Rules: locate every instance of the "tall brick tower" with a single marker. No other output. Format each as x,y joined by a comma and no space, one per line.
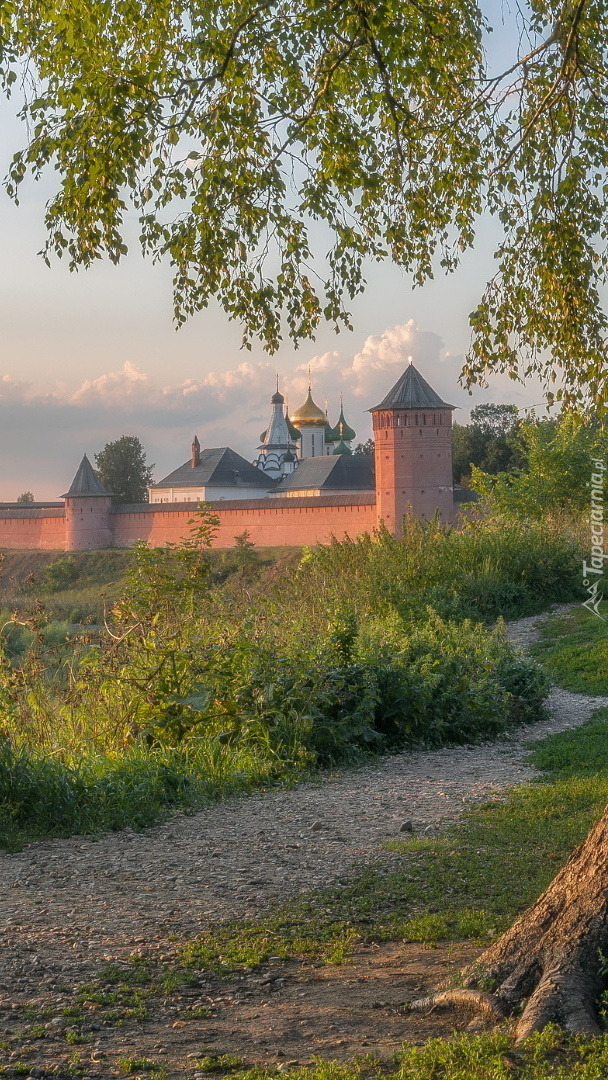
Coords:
87,511
412,432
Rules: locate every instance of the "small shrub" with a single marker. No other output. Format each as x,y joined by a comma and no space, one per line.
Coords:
60,574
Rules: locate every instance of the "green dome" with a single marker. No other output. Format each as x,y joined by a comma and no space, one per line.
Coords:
342,448
293,431
344,431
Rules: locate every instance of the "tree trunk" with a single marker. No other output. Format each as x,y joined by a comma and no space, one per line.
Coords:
551,958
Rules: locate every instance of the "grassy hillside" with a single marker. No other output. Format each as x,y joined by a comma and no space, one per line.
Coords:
218,671
93,580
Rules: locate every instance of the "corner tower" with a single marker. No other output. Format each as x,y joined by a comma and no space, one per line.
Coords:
87,511
413,451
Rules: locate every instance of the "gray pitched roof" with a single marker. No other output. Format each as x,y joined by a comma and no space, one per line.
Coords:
338,472
219,467
86,481
339,498
411,391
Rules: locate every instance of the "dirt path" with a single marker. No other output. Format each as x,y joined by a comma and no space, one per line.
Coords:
68,904
99,898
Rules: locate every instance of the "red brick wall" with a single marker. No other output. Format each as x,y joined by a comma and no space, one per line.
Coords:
88,524
413,453
269,523
32,530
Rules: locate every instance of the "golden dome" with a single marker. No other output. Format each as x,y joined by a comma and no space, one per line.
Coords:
309,414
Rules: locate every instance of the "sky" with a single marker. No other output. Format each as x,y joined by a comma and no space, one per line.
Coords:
88,357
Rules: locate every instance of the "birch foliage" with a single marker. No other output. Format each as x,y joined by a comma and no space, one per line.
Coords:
248,136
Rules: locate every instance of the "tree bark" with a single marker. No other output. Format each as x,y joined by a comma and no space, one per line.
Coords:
550,961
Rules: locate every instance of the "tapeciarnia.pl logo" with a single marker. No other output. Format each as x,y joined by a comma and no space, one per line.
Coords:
593,571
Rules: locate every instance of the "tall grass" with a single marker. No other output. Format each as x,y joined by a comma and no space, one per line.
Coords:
488,568
42,795
370,645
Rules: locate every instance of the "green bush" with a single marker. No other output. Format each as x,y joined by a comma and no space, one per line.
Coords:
446,682
60,574
487,569
183,696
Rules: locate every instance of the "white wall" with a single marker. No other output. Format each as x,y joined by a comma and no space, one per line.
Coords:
312,442
203,494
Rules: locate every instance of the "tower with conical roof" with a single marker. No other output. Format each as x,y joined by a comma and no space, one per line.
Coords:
87,511
277,452
413,452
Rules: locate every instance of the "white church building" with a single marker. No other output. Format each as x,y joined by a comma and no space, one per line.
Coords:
220,473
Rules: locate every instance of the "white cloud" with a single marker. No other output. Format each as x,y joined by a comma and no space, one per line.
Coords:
125,388
231,407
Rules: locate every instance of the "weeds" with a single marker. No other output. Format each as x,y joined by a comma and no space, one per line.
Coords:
574,650
182,698
219,1063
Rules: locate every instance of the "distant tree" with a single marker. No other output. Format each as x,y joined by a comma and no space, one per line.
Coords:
496,419
365,447
487,443
25,497
244,553
122,469
557,464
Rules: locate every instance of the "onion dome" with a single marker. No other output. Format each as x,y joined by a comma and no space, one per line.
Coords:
343,430
277,399
309,414
342,448
294,433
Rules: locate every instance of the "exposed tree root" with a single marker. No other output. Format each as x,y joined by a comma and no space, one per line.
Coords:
548,966
473,999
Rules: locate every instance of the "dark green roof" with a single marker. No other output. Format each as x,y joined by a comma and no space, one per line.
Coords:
411,391
219,467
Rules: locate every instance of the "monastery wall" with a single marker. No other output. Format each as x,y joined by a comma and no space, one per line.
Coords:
41,530
269,523
413,469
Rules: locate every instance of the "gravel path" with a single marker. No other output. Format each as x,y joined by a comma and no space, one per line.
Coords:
67,903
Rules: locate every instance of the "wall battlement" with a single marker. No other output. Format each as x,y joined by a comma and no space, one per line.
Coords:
269,523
